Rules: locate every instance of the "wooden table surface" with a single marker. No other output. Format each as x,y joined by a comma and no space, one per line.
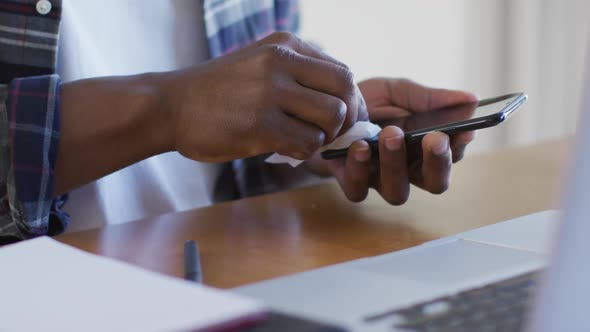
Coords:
274,235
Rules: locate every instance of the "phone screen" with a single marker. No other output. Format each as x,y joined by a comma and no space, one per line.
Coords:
451,117
450,120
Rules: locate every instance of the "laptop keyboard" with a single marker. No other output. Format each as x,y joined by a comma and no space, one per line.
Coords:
501,306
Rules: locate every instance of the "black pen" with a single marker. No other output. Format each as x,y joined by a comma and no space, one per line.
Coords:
192,263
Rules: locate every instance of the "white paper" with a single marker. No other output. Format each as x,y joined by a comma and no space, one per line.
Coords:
49,286
360,130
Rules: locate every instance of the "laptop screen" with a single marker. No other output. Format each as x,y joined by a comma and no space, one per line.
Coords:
562,304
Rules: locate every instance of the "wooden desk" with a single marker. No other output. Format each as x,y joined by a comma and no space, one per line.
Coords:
269,236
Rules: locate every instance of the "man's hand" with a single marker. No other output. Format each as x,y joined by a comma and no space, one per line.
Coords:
390,174
277,95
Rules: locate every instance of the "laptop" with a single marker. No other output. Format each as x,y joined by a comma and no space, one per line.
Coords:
527,274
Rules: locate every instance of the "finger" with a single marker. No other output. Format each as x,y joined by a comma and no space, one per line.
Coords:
459,143
317,108
436,166
326,77
295,138
362,110
394,185
418,98
386,113
354,180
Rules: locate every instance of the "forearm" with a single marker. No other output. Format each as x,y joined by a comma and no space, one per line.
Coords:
108,124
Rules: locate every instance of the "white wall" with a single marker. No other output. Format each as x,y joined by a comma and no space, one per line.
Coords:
485,46
393,38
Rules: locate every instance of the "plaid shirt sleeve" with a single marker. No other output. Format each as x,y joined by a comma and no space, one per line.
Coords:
29,137
29,121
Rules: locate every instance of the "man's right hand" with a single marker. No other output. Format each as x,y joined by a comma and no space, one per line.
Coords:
276,95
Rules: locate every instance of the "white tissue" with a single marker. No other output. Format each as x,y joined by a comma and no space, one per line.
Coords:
360,130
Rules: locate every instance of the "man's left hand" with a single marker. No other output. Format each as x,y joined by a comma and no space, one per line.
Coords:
390,174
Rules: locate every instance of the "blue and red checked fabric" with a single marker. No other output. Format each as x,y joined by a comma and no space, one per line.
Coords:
28,154
29,104
231,25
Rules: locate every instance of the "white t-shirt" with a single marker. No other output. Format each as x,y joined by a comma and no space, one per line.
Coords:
115,37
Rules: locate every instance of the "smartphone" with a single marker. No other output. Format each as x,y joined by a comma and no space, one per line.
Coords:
450,120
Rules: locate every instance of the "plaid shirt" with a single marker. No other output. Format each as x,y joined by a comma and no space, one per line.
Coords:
29,104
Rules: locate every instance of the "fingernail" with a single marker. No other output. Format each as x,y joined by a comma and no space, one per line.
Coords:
442,147
362,154
393,143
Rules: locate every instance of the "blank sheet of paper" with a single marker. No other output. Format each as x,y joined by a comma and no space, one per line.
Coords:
49,286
